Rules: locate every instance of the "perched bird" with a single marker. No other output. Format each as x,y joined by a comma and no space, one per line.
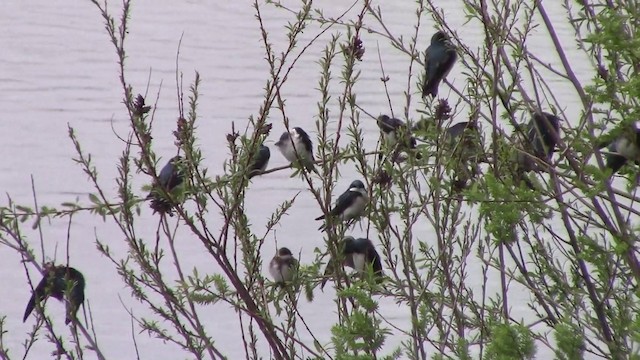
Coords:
438,61
62,283
283,266
296,144
260,161
168,179
350,204
464,142
356,254
623,148
541,140
395,130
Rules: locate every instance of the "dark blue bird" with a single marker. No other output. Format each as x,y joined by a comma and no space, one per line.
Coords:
395,131
296,144
260,161
541,139
357,254
439,59
350,204
169,178
62,283
625,147
283,266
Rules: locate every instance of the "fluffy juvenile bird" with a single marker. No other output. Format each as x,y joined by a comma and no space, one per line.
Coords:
260,161
350,204
395,130
283,266
297,143
625,147
62,283
357,254
169,178
438,61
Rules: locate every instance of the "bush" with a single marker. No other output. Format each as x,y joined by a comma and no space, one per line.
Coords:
488,259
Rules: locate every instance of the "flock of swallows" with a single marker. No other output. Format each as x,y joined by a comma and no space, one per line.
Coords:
541,137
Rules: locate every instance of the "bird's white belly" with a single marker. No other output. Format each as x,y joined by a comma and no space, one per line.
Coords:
282,274
627,149
359,262
390,139
290,153
356,209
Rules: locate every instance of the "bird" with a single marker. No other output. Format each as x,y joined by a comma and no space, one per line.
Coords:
283,266
260,161
464,142
356,254
63,283
395,130
297,144
625,147
169,178
541,140
350,204
438,61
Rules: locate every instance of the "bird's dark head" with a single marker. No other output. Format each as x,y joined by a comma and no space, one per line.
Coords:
356,184
348,245
439,38
298,133
283,139
383,119
283,251
544,119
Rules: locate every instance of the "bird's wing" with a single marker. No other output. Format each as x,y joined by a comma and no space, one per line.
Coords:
344,201
376,263
170,176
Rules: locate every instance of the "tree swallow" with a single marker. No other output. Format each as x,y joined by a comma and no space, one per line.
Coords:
394,131
59,282
438,61
356,254
260,161
168,179
350,204
283,266
464,141
541,140
625,147
296,144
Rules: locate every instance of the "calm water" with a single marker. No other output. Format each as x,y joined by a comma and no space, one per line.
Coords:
57,67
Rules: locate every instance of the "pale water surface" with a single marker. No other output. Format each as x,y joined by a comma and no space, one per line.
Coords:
58,68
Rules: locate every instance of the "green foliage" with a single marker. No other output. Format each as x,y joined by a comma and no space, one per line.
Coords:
510,342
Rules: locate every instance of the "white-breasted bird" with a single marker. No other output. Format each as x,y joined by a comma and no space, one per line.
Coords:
169,178
350,204
296,145
622,147
395,130
283,266
357,254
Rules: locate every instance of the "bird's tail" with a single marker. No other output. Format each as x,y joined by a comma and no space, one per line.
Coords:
429,89
30,306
